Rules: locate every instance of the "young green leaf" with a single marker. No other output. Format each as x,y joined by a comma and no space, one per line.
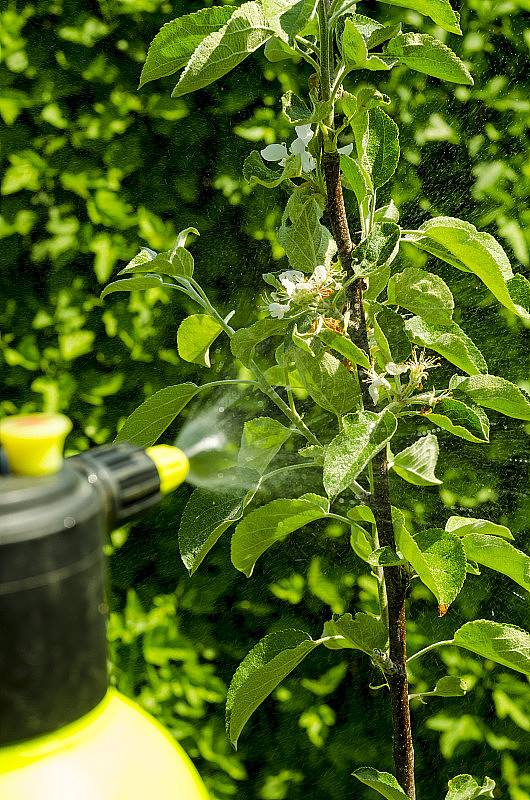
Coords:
423,293
131,284
356,179
498,394
363,632
439,11
209,513
464,525
221,51
377,142
497,641
298,113
175,43
306,242
343,345
328,381
260,672
382,782
245,340
449,341
194,336
256,171
355,52
448,686
384,557
373,32
459,419
391,336
379,248
462,245
465,787
288,17
177,263
364,435
262,438
149,421
272,523
276,50
416,463
497,554
437,557
426,54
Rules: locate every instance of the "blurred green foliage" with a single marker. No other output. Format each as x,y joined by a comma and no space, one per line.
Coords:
91,170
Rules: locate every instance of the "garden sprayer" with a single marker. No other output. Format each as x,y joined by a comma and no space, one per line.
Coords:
63,733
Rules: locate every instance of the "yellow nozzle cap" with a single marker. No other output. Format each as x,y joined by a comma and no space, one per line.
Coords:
34,442
172,465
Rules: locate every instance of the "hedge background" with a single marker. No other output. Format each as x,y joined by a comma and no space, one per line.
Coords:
91,171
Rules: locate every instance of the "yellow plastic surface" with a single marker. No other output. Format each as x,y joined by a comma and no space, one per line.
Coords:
34,442
117,752
172,465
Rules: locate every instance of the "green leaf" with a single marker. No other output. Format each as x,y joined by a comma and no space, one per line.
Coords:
416,463
276,50
377,142
364,435
298,113
449,341
183,235
462,245
306,242
379,248
461,420
363,632
271,523
464,787
423,293
194,337
448,686
465,525
175,43
256,171
260,672
498,394
373,32
355,52
328,381
426,54
245,340
208,514
288,17
262,438
384,557
178,263
390,335
382,782
356,179
437,557
221,51
496,641
439,11
131,284
495,553
343,345
149,421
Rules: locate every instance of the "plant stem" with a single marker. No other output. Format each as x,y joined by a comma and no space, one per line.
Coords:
325,54
426,649
396,581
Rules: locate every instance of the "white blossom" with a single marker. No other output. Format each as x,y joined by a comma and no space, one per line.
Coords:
277,310
396,369
320,274
376,382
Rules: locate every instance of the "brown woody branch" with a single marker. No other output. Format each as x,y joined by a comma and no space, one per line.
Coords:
395,578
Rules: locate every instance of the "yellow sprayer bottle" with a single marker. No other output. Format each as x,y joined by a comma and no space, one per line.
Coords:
63,734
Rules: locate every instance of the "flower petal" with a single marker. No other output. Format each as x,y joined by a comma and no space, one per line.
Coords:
298,146
274,152
308,162
320,274
304,132
346,150
277,311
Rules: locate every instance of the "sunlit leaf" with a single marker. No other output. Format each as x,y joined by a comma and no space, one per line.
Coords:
449,341
328,381
382,782
498,394
426,54
497,554
262,438
459,419
423,293
195,334
464,525
465,787
245,340
439,11
256,171
416,463
149,421
505,644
